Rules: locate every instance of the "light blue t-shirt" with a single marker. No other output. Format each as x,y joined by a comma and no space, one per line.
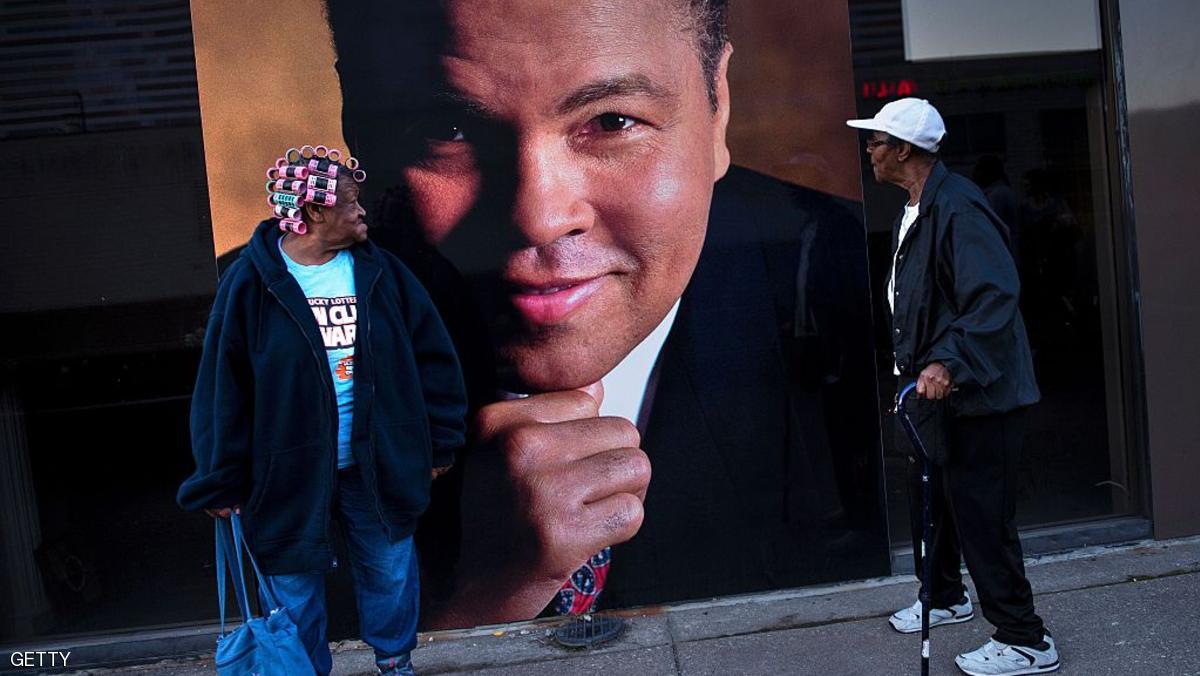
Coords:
330,291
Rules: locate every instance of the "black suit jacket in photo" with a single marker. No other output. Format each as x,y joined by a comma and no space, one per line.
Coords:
763,431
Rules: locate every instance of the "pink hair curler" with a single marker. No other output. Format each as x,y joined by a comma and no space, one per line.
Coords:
323,166
321,151
322,183
294,171
352,163
335,154
294,224
320,198
307,151
282,211
359,175
292,155
284,185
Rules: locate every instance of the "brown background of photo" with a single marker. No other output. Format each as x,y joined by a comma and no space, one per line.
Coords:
261,92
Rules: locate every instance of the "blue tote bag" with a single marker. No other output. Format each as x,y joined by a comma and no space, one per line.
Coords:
262,646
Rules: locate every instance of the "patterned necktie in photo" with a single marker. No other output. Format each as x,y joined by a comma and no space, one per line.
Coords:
581,591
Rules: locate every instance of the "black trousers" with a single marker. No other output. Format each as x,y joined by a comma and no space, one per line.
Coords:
974,511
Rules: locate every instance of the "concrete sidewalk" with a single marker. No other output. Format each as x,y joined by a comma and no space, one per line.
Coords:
1125,610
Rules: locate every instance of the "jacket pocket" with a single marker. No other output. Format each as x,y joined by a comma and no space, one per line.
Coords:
288,501
402,457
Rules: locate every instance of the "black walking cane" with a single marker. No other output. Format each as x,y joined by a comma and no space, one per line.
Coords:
926,521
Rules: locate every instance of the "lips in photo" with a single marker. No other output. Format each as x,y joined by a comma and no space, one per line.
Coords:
550,301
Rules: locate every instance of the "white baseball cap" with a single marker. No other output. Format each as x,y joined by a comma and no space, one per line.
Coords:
912,120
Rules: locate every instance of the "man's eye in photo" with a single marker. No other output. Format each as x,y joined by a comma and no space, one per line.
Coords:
445,132
437,127
615,122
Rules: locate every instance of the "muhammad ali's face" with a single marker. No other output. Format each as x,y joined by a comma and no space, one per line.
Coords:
571,159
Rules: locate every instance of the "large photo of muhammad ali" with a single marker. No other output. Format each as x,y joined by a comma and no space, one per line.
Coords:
640,222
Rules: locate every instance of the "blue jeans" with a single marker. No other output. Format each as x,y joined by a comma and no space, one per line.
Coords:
385,586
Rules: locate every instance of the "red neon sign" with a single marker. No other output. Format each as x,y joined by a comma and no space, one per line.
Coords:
887,89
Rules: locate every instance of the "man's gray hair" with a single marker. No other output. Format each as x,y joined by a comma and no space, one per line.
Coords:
710,21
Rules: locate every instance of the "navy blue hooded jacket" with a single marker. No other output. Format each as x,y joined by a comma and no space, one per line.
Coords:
264,413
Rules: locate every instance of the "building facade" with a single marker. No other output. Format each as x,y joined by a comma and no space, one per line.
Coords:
1081,135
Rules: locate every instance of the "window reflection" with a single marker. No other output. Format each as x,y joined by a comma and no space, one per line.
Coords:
1030,130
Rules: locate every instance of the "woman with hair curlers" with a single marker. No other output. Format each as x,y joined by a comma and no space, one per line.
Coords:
329,391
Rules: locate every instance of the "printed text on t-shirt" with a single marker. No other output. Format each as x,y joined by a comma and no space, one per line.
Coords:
337,319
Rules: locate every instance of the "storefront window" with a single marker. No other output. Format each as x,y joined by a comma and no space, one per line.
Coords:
761,421
741,268
108,276
1030,130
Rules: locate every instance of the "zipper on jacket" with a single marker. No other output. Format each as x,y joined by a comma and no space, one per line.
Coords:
387,528
327,381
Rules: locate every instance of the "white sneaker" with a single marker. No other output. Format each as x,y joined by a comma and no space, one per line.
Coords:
908,620
995,658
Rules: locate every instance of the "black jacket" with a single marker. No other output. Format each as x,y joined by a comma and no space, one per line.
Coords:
264,414
763,430
956,299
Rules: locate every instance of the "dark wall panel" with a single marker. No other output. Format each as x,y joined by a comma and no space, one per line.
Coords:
1163,95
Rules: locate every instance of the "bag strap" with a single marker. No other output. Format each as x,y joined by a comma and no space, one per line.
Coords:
226,557
220,572
264,585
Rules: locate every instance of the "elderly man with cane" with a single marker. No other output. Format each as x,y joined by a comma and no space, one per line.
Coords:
959,339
